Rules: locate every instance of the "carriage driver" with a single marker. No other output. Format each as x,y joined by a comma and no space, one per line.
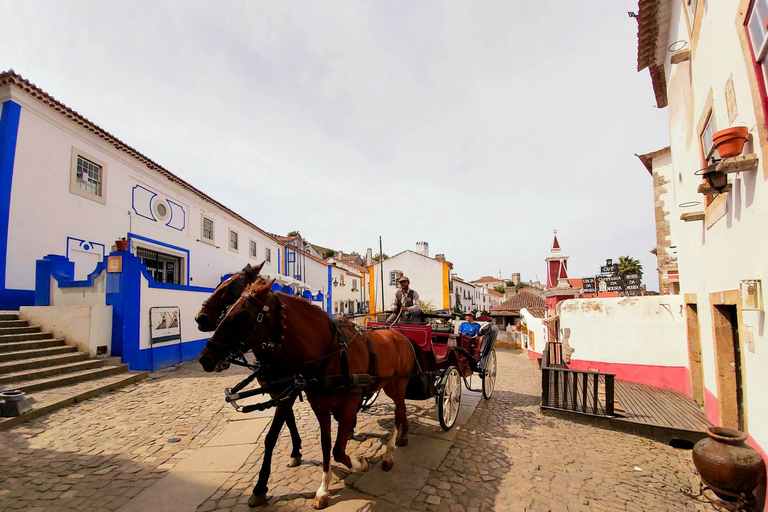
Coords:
407,301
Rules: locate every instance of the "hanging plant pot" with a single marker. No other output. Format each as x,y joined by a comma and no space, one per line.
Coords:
122,244
730,142
727,465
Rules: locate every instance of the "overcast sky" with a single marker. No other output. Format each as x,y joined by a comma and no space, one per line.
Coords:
479,127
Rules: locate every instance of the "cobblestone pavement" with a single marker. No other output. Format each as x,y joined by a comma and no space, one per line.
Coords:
507,456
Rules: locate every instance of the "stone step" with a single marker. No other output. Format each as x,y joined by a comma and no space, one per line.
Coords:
58,381
9,315
29,329
30,345
13,323
39,373
57,398
10,338
41,362
37,353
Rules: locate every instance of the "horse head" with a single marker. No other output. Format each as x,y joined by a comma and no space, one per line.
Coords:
247,325
225,295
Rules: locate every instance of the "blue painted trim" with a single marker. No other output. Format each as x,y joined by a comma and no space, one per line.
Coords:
103,247
9,132
278,260
133,202
163,244
329,297
184,217
276,287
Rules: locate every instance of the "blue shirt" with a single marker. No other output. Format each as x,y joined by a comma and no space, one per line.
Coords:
469,329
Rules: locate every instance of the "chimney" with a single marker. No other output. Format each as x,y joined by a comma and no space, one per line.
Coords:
369,257
516,278
422,248
440,257
338,255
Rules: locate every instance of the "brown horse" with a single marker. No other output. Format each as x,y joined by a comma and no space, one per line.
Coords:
207,319
293,335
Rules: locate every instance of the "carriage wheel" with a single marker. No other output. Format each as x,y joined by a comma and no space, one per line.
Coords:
449,398
368,402
489,377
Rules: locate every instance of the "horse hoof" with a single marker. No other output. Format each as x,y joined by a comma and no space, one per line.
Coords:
257,500
320,502
402,442
363,463
295,461
386,466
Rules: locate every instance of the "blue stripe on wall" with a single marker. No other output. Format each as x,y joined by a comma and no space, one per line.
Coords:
9,131
329,299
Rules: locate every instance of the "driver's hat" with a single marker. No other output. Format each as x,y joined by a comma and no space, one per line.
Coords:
403,278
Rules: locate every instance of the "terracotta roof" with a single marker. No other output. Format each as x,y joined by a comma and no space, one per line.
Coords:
355,266
653,19
537,312
521,300
495,293
487,279
647,158
13,79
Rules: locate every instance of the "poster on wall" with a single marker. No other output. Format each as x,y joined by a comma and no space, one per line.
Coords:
165,324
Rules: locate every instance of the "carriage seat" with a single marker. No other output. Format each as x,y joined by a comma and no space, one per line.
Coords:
442,327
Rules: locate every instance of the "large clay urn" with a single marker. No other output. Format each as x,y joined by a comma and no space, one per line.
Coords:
730,142
727,464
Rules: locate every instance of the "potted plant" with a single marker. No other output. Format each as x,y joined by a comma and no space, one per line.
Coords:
121,244
730,142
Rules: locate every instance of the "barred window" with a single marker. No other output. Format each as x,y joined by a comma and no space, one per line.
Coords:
252,249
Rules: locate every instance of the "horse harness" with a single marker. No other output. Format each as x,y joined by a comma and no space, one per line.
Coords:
288,386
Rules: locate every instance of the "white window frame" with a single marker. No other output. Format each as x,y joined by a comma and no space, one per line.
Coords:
756,27
203,218
706,136
253,248
75,188
354,285
236,247
268,255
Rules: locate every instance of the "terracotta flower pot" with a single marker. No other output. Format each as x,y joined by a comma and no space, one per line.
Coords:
730,142
727,464
122,245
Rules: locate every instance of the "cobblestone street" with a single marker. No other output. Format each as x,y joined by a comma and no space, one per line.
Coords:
106,453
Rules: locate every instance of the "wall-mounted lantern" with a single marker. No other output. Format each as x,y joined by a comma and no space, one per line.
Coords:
751,295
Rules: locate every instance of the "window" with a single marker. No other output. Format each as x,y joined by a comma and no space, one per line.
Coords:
207,230
252,249
354,285
394,276
758,37
706,136
88,177
336,307
233,241
341,279
164,268
267,254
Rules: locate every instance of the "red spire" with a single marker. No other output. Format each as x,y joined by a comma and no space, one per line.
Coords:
555,245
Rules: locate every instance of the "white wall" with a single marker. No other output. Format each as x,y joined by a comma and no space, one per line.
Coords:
537,328
86,327
95,295
42,177
425,275
647,330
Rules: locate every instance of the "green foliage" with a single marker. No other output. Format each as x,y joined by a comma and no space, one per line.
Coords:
486,313
378,257
329,253
521,285
499,288
294,233
426,306
628,265
510,283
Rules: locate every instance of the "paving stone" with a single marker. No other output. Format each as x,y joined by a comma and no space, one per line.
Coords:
240,432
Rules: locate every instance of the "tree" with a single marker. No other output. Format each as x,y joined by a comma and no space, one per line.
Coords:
378,257
499,288
629,265
510,284
521,285
426,306
329,253
294,233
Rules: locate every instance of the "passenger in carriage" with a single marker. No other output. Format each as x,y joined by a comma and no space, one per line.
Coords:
470,328
407,301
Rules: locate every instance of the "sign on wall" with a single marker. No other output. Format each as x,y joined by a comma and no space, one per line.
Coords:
588,285
165,324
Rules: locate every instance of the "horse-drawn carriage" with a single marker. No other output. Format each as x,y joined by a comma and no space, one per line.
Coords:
444,360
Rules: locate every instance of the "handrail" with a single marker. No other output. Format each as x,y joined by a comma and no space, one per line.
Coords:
577,391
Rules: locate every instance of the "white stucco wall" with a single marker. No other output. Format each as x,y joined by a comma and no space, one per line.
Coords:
535,326
425,275
86,327
42,178
80,296
646,330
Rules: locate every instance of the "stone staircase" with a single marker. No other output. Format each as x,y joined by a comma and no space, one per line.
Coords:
53,373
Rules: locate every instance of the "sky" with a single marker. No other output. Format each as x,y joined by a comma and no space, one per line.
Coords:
478,127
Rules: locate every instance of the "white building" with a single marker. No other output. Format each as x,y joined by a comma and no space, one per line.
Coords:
465,294
69,190
707,62
430,277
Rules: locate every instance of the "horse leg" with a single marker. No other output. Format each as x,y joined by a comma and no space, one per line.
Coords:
401,418
347,417
259,496
388,462
322,494
290,421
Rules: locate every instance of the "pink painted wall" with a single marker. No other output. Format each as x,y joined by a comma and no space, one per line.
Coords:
669,377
